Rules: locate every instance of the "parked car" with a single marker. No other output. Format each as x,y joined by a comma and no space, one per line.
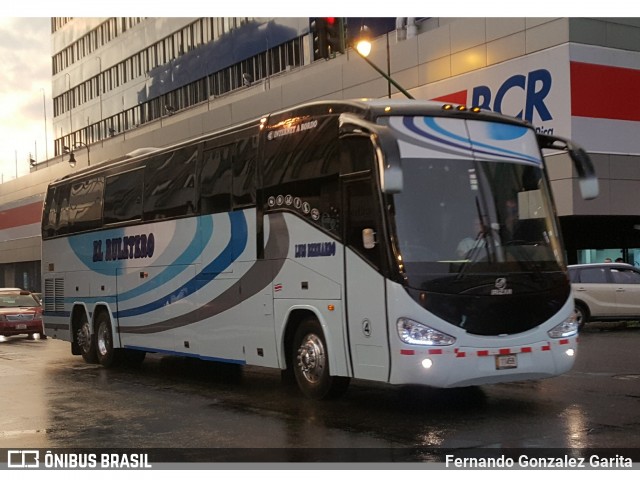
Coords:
20,313
605,291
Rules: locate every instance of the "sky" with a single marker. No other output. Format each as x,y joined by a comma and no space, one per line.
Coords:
25,90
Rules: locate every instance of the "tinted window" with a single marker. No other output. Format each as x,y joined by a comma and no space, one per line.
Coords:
593,275
215,180
50,214
169,184
123,197
363,213
244,168
625,275
85,202
305,149
356,154
62,201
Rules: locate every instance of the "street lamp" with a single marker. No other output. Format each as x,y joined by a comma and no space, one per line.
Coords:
363,48
72,157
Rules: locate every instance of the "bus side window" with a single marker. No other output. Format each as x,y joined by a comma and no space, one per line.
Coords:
356,154
169,184
62,224
363,221
123,197
363,228
50,214
215,180
86,204
244,171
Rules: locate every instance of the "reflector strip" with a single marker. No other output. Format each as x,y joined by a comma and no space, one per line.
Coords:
460,353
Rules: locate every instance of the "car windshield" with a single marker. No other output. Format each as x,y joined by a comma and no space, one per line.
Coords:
13,300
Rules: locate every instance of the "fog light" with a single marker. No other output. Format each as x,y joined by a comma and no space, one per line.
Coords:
427,363
570,352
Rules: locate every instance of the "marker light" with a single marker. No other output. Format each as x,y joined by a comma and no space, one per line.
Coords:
416,333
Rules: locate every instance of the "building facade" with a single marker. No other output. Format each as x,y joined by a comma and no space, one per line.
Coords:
120,84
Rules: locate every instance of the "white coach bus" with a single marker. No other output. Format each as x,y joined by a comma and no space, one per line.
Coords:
403,241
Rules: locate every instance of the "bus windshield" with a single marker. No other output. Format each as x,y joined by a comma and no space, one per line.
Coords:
460,217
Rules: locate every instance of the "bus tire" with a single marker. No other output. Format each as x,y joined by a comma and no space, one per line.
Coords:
310,363
107,355
86,342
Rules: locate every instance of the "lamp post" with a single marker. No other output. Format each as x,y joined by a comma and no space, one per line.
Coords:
363,48
69,100
100,93
44,110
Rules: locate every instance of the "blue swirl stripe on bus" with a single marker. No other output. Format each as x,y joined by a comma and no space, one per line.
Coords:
453,140
235,247
81,247
205,229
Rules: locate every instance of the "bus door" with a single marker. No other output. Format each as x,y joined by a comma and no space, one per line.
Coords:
365,285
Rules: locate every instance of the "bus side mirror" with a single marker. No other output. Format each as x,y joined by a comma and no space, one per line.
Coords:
589,187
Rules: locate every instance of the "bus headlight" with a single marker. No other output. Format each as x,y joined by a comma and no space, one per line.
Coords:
567,328
416,333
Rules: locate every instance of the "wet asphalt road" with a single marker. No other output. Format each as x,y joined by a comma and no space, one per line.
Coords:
52,399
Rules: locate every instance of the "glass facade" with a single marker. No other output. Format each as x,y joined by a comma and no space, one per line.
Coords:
207,58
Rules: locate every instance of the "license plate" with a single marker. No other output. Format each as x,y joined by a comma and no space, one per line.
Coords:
21,326
504,362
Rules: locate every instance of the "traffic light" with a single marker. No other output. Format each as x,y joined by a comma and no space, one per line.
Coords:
335,35
319,36
328,37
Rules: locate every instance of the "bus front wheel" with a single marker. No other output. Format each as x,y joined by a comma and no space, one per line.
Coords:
311,363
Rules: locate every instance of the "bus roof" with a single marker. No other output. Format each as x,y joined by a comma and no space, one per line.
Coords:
366,108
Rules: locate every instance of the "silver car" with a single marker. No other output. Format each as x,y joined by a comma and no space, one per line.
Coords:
605,291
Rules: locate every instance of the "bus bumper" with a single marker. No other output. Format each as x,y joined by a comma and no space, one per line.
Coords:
449,367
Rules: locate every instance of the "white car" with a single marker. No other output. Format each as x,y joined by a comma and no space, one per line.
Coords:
605,291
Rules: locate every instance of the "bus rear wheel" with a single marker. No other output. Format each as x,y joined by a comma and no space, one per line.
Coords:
108,356
86,343
310,362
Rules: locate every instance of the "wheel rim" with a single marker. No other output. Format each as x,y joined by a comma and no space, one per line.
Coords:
104,340
579,316
311,358
84,337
